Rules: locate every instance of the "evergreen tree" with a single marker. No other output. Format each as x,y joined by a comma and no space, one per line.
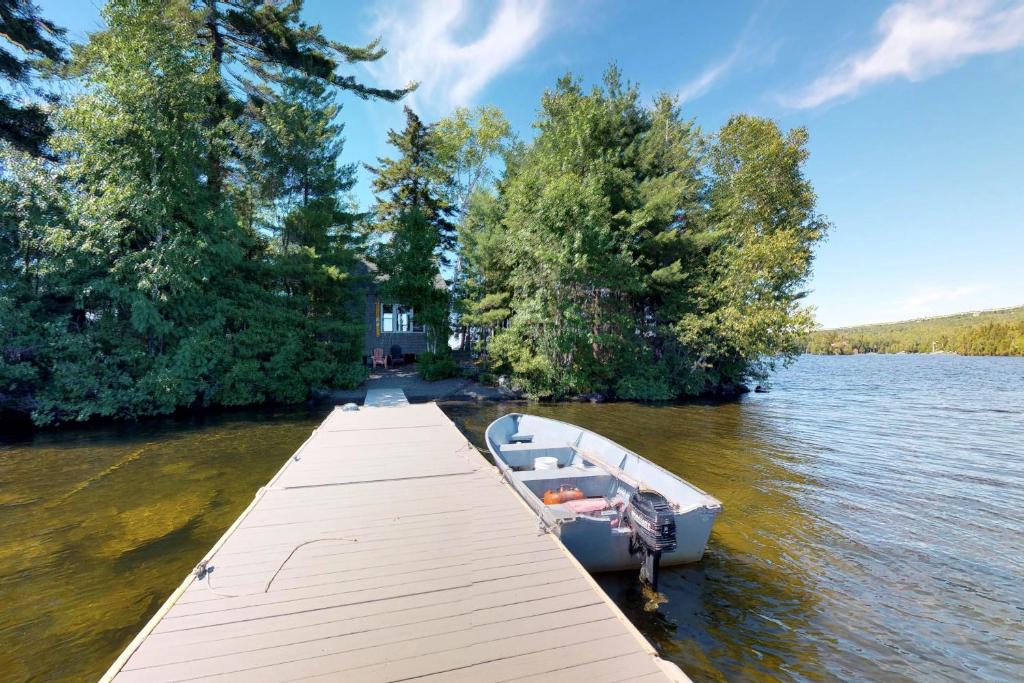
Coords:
573,216
38,273
130,283
25,126
414,212
986,333
159,242
252,44
313,252
761,220
638,259
481,299
415,181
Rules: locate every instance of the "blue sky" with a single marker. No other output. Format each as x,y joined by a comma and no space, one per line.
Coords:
915,111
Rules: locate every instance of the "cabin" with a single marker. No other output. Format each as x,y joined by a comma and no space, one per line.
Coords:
389,323
392,323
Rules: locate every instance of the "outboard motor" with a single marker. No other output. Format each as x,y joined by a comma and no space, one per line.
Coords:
651,518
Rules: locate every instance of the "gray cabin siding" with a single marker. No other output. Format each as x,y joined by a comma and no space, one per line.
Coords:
411,342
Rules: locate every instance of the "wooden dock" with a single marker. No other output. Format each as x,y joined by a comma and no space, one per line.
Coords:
388,549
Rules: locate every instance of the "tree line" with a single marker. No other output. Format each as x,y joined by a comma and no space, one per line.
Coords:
179,232
993,333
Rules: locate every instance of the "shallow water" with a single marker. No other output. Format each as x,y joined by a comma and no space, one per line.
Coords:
873,525
99,526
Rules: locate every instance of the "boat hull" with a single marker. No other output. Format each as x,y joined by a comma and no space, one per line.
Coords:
601,551
597,544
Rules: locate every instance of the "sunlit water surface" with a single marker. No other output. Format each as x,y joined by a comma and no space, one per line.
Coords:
873,525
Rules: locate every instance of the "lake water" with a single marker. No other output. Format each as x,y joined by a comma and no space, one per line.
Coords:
873,525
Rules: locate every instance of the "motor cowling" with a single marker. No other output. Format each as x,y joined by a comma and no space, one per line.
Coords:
653,525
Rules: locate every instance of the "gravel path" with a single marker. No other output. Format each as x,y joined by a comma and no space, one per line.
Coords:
407,378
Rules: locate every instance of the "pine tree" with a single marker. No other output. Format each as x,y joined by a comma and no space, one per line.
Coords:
131,282
414,212
296,149
253,43
415,181
633,256
25,126
160,247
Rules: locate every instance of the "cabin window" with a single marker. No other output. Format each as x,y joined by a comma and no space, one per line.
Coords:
403,319
398,318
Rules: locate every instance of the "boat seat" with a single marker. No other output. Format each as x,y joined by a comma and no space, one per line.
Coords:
519,455
570,472
520,437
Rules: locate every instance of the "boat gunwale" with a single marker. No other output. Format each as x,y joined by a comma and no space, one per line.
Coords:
710,502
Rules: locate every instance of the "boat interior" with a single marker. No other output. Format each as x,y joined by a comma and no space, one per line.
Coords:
548,459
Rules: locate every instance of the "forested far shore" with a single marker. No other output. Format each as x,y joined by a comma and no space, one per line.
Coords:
179,230
983,333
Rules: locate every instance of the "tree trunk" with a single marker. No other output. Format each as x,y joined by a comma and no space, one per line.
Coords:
216,170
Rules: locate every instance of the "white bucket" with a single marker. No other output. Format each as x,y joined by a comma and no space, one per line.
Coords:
545,463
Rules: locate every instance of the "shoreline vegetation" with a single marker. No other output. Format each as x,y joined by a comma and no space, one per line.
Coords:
998,332
178,232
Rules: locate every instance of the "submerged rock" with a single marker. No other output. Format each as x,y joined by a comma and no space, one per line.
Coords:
760,389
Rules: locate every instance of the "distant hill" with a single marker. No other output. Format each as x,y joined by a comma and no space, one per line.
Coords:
998,332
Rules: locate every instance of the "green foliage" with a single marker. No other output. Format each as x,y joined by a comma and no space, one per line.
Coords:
434,366
190,242
141,273
477,302
466,142
349,375
251,45
25,126
646,382
417,182
622,233
988,333
413,215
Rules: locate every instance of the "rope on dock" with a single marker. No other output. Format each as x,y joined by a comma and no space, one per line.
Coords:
204,570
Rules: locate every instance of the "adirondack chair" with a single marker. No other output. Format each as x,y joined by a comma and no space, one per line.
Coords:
397,357
379,358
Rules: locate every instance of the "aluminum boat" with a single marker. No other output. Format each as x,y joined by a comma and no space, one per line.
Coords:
612,508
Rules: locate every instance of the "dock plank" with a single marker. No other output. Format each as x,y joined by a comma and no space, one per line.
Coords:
388,549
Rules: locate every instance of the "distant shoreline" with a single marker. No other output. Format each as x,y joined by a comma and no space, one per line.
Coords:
996,332
974,314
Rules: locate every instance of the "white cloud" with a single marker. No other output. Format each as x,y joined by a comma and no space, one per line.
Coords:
918,39
702,83
927,300
424,46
